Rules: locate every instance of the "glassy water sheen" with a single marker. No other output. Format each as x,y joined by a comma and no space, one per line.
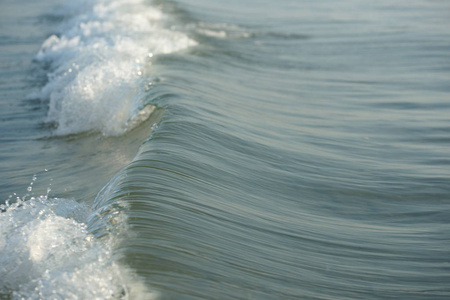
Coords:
198,149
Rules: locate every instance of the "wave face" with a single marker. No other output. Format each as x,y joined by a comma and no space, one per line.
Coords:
97,64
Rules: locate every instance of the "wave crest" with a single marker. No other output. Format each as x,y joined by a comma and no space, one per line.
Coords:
97,79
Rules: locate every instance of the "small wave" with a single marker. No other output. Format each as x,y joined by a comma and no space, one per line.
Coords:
48,253
97,63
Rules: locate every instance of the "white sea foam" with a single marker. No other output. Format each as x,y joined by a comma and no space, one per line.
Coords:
47,253
96,80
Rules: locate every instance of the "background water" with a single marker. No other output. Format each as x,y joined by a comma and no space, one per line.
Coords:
299,149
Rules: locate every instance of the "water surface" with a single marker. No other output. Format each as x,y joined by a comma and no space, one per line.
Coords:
257,150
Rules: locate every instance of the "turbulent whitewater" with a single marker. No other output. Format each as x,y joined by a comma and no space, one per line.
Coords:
47,252
97,63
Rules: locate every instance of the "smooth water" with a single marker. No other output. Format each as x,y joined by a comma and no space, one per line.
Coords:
195,150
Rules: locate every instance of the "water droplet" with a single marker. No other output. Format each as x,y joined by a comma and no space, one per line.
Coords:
154,126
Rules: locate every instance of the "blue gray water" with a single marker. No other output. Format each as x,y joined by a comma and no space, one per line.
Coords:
193,149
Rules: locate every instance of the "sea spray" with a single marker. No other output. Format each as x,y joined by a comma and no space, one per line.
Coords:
47,252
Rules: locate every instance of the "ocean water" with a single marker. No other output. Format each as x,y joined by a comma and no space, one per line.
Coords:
197,149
